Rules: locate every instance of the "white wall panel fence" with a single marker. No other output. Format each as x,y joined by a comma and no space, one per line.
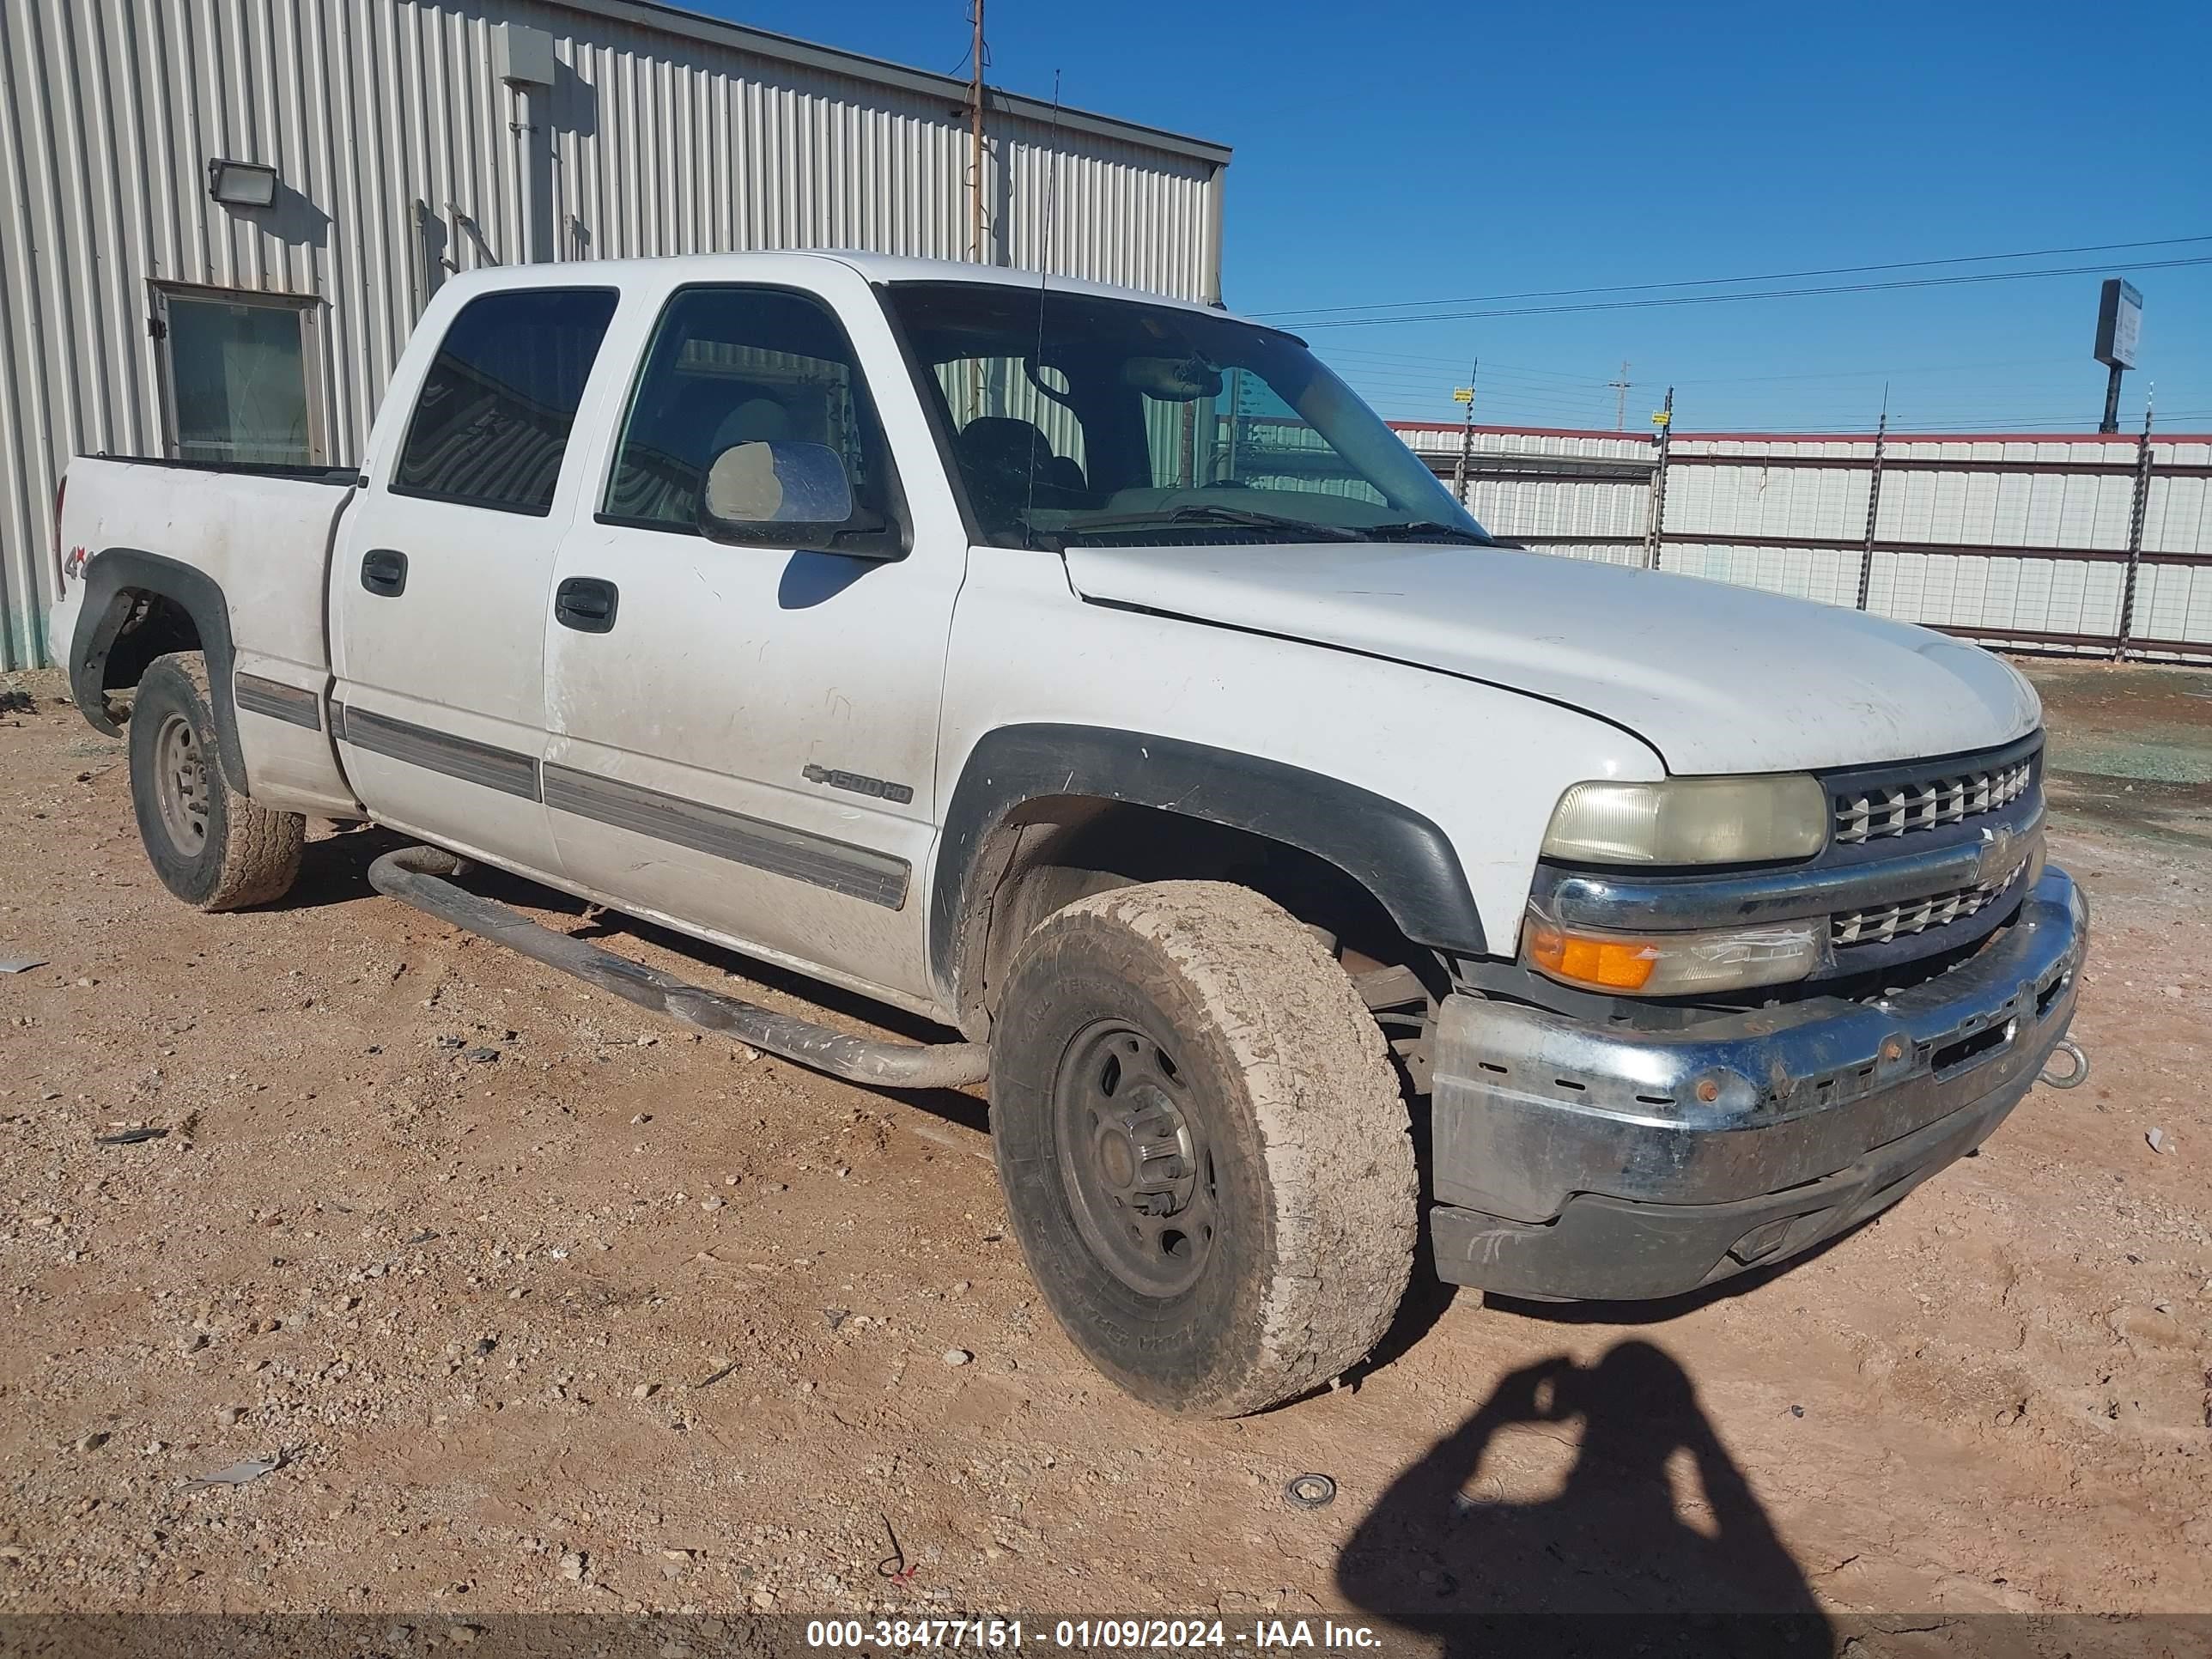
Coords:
2093,545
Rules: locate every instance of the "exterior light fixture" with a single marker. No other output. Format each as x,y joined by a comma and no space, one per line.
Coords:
241,183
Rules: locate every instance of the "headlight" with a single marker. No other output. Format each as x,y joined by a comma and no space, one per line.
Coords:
1691,821
1675,964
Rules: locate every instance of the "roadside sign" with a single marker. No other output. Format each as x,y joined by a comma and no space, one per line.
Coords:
1463,394
1661,417
2119,324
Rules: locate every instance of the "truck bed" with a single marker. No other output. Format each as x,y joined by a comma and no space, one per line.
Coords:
263,536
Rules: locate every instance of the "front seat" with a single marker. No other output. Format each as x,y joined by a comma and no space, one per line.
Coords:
758,420
1004,459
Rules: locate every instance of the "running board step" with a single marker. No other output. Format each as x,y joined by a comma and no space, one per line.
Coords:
417,875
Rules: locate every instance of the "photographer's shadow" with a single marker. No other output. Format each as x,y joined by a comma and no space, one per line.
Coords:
1610,1562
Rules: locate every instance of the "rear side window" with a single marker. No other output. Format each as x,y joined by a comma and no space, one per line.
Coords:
492,423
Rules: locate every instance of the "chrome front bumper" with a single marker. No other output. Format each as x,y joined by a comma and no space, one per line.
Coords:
1576,1160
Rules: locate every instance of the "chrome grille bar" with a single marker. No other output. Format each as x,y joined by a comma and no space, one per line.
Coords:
1886,923
1910,804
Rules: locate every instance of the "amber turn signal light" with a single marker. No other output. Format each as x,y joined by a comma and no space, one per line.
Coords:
1617,964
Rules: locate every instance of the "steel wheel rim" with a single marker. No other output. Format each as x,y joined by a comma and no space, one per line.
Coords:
1139,1175
180,785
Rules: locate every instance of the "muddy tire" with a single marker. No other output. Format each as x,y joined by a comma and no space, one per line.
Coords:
1203,1146
210,846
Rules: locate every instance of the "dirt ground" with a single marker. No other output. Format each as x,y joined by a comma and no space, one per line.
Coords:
545,1304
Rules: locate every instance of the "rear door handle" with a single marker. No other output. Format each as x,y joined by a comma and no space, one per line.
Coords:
383,572
585,604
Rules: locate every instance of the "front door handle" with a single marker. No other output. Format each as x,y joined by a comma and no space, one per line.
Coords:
585,604
383,572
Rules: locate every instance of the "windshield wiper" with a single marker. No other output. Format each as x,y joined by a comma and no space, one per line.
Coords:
1424,530
1208,513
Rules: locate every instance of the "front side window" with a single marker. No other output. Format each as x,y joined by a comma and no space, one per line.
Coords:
732,365
491,425
1073,418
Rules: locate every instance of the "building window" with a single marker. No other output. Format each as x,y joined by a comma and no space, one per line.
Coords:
241,376
491,425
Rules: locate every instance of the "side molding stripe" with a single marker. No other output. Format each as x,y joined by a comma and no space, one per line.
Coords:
502,769
856,872
278,701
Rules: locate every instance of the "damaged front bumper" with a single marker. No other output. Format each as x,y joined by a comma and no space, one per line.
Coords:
1579,1161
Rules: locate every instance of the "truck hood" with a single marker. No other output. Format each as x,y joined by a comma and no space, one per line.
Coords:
1715,677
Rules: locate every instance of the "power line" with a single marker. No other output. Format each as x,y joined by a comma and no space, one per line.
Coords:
1519,399
1441,384
1770,293
1437,367
1409,378
1714,282
1875,373
1408,392
1351,361
1429,360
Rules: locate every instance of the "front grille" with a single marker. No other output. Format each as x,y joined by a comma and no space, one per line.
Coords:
1888,922
1900,806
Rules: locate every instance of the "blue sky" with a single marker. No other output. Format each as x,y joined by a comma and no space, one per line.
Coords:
1389,154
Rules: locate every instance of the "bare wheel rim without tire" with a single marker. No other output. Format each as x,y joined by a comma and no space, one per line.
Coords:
180,784
1139,1175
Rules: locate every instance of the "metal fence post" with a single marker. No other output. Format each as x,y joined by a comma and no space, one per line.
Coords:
2135,542
1873,506
1652,531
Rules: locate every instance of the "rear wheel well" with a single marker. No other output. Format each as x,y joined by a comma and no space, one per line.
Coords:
155,626
1053,850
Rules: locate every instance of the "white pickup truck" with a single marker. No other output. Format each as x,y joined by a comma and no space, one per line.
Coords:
1313,877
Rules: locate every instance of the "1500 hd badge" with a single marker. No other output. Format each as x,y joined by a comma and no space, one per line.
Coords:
876,788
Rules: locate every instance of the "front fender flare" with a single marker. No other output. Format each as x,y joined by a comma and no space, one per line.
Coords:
1399,855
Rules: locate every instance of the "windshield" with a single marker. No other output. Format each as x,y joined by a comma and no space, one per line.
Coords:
1076,419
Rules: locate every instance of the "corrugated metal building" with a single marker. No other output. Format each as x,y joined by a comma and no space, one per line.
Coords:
2069,543
410,139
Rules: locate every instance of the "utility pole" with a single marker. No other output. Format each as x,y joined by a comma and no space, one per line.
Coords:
1465,394
1620,402
1874,503
975,136
2142,499
1664,420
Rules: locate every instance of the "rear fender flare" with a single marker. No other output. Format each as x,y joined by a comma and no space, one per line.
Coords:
116,579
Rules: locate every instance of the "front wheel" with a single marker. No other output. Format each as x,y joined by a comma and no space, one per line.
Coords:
210,845
1204,1150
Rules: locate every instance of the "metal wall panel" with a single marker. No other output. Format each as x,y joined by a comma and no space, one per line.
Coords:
1789,514
402,156
1594,485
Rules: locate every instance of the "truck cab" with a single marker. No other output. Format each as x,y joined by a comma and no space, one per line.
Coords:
1093,674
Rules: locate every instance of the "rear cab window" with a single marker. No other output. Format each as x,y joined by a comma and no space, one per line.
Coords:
491,423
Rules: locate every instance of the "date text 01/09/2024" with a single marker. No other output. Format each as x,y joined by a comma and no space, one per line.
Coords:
1162,1634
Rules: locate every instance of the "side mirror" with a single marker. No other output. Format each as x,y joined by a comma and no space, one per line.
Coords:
783,493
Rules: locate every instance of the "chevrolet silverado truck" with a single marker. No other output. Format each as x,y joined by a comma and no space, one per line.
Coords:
1313,879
